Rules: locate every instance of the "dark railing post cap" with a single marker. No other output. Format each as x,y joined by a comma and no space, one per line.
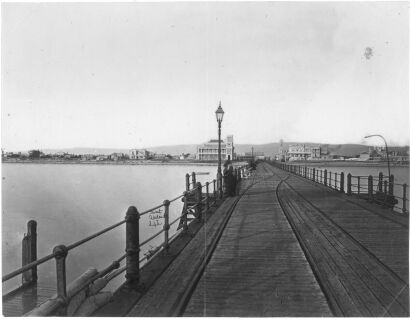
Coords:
167,202
60,251
132,214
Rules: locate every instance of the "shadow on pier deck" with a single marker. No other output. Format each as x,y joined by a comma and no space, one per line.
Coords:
291,247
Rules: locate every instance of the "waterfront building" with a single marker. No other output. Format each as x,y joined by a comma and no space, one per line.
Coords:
209,150
301,151
136,154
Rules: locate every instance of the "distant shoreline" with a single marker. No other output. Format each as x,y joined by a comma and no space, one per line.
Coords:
128,162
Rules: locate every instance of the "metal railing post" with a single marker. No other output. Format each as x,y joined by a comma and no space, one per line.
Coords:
370,188
404,209
187,181
199,201
132,242
207,196
61,252
193,179
358,185
380,184
214,182
314,174
166,224
336,180
342,182
325,178
330,179
349,184
391,184
385,188
29,253
185,212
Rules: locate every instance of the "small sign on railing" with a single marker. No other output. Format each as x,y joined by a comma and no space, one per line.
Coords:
155,218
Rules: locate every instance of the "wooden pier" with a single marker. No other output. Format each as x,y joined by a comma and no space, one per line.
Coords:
284,246
293,247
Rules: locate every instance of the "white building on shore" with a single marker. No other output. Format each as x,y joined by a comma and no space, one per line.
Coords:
209,150
301,151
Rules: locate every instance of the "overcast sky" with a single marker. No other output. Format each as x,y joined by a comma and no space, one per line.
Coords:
137,75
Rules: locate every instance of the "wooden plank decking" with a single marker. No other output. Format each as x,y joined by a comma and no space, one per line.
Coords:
258,268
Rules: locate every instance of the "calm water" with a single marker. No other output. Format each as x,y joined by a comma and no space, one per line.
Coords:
70,202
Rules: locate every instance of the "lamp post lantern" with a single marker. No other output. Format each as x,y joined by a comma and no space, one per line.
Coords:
219,116
387,150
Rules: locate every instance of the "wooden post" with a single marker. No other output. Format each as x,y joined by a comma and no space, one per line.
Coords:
325,178
349,184
61,252
187,181
132,242
342,182
404,209
193,179
29,253
166,224
380,184
391,184
198,200
314,174
207,196
370,188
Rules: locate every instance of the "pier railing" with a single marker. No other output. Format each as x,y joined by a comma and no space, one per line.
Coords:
197,199
381,189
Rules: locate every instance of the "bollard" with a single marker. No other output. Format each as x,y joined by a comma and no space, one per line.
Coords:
29,253
187,181
349,184
404,209
325,178
391,184
132,242
198,201
380,184
342,182
193,179
370,188
207,196
314,173
61,252
166,224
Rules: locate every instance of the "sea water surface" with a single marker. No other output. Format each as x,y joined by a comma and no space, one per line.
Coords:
72,201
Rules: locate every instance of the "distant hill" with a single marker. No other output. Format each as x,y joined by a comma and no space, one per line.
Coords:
269,149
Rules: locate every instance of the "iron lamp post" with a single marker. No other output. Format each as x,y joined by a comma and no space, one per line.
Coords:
219,116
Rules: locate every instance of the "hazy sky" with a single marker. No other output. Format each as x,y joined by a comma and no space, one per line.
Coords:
145,74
